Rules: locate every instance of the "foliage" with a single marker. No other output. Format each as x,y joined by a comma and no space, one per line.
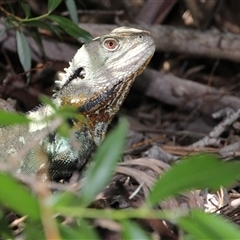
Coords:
41,207
202,170
29,26
107,155
195,172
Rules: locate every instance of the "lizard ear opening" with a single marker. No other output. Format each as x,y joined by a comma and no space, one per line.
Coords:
79,73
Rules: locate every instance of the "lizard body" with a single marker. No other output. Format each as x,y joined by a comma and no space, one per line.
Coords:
96,82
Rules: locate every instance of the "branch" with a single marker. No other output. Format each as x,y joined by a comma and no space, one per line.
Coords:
211,44
183,93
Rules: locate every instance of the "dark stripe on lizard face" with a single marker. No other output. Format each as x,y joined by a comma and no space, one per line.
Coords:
101,98
80,72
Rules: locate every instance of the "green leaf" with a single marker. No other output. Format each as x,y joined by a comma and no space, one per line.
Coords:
53,4
48,101
64,199
84,232
41,24
64,130
71,6
131,230
71,113
26,9
208,226
23,51
201,171
33,229
104,161
17,197
64,112
7,118
37,23
70,27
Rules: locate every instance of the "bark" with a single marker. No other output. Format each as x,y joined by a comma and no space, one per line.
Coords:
154,12
184,94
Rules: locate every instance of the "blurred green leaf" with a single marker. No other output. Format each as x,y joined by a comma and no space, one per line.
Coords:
64,112
70,113
131,230
64,199
48,101
26,9
208,226
23,51
82,232
64,129
53,4
70,27
140,213
201,171
104,161
7,118
71,6
17,197
33,229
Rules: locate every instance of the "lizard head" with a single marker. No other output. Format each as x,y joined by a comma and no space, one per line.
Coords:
102,72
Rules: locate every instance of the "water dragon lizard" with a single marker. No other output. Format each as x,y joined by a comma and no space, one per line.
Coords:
96,82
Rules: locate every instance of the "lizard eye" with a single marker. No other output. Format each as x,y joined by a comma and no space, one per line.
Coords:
110,44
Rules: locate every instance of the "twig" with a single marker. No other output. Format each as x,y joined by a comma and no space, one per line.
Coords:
217,131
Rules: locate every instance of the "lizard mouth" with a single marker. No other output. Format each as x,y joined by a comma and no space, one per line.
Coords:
140,70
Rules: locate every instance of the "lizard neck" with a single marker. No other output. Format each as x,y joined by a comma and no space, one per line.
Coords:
98,111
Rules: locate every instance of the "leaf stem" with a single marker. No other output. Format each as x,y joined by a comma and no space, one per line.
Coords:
10,15
141,213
